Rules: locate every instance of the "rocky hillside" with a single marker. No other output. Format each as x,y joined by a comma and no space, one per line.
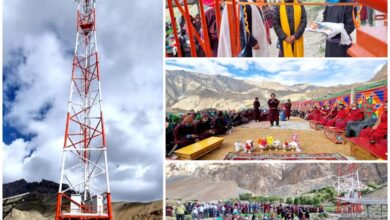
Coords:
177,187
282,180
187,90
122,211
381,75
138,211
42,197
22,186
41,202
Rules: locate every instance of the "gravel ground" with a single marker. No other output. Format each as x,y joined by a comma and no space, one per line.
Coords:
312,141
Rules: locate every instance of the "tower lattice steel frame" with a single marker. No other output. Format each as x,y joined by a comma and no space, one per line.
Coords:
84,160
348,186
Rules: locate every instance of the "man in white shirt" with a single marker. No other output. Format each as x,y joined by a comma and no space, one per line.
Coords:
195,213
201,210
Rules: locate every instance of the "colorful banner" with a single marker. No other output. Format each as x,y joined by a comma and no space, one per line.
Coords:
372,101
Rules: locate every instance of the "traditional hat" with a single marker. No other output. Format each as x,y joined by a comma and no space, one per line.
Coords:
175,118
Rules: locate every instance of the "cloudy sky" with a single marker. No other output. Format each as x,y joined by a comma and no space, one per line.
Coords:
314,71
38,41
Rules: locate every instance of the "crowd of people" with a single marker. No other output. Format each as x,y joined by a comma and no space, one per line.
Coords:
353,120
185,129
221,210
288,22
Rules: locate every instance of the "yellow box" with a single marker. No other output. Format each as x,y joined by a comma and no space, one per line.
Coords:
198,149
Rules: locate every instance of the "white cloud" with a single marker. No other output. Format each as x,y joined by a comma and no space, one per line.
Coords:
131,68
13,159
275,65
173,67
243,64
202,65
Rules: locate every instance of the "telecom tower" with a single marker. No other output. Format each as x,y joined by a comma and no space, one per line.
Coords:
348,189
84,161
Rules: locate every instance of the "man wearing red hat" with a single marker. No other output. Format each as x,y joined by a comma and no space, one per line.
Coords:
184,134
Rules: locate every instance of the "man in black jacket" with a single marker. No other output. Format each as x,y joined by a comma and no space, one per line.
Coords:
338,14
294,34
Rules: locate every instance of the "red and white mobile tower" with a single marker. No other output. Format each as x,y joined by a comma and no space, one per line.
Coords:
348,189
84,161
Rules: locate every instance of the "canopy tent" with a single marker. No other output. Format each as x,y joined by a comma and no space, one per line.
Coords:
380,212
370,97
364,201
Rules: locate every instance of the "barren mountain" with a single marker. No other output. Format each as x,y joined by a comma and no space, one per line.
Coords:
124,211
202,189
187,90
282,180
381,75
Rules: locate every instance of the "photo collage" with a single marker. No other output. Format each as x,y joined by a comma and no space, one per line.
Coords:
194,110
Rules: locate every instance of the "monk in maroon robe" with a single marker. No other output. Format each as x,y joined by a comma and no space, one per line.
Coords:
287,109
273,114
324,111
341,115
184,134
331,115
203,128
256,109
315,114
377,133
354,114
310,114
212,29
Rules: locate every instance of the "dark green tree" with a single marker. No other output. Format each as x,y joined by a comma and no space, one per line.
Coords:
289,201
245,197
297,201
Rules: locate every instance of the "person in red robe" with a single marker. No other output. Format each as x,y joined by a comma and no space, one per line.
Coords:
184,134
354,114
315,114
324,111
341,115
309,114
378,132
256,109
273,114
287,109
332,114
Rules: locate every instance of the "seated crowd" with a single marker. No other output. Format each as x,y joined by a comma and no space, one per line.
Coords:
185,129
297,113
352,120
